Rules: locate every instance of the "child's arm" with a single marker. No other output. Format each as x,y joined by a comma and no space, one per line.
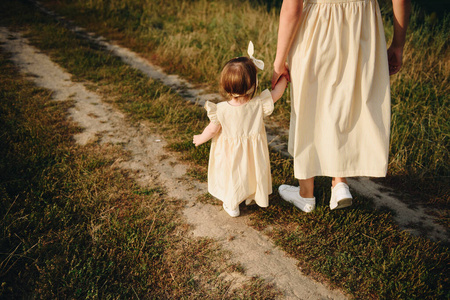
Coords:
279,88
210,131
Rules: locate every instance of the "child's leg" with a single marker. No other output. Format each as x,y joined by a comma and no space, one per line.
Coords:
232,212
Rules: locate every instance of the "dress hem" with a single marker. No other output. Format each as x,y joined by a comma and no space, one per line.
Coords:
243,200
342,174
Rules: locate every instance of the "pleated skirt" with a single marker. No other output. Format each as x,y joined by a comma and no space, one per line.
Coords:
340,91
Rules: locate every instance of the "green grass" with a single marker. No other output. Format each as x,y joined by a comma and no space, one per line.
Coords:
359,250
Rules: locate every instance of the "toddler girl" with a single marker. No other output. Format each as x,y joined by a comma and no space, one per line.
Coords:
239,166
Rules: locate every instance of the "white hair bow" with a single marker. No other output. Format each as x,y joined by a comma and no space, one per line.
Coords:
259,63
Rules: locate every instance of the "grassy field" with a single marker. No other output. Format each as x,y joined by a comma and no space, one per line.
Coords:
359,250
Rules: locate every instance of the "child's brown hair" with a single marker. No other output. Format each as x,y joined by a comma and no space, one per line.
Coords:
238,78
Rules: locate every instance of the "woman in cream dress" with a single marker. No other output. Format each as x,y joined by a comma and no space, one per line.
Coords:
340,94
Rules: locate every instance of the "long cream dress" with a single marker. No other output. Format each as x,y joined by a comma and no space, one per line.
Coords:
239,165
340,94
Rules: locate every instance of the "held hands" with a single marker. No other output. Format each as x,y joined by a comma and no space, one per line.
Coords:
394,59
279,72
279,88
284,81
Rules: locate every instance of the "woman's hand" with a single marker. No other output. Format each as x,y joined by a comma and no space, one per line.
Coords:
395,55
402,11
279,72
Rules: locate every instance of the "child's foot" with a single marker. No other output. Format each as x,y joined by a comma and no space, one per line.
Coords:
292,194
232,213
250,202
340,196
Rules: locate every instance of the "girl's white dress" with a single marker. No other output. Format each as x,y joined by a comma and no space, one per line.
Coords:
239,165
340,97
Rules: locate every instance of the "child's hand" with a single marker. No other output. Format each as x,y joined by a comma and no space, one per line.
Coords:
196,140
210,131
282,80
279,88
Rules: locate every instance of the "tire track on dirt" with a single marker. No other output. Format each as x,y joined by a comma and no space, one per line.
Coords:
152,165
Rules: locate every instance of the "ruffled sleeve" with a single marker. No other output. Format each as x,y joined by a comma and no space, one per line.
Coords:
267,102
211,110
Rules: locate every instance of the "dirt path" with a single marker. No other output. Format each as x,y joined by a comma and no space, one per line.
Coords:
104,124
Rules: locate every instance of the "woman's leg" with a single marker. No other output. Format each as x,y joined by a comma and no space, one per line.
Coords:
301,196
307,187
340,194
336,180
